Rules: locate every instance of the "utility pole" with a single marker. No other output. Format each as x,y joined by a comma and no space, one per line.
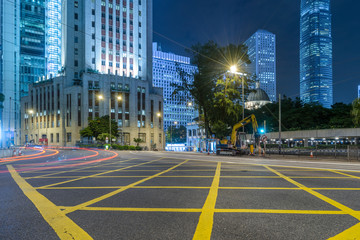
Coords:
279,123
243,101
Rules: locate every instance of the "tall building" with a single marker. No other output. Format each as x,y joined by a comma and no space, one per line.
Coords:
32,43
262,53
358,91
53,38
106,51
166,71
316,77
9,71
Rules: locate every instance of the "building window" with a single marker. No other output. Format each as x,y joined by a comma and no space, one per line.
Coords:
142,136
68,137
57,137
51,138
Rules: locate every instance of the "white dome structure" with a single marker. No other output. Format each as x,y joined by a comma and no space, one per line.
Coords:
257,98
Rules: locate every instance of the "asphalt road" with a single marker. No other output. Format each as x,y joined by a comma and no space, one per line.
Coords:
88,194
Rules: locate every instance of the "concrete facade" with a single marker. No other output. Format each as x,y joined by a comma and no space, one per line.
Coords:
58,112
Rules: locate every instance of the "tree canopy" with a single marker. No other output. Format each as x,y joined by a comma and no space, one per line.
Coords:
298,116
216,92
99,126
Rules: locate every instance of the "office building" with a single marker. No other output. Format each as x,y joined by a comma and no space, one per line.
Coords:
106,51
166,71
53,38
9,71
32,43
262,53
316,75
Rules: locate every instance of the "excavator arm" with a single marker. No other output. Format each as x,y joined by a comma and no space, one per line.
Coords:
242,123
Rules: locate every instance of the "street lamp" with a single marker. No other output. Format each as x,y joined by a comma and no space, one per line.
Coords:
233,70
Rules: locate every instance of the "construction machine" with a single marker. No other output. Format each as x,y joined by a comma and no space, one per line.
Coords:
237,142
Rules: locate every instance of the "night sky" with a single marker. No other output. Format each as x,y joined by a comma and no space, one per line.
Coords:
183,23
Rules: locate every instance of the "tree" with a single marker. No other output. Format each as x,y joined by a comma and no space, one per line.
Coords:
355,112
215,92
138,141
98,126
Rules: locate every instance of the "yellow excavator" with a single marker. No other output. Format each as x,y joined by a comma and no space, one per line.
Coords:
236,145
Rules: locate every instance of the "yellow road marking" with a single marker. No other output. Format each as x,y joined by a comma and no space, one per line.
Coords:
275,211
91,176
352,233
138,187
138,209
206,220
345,174
82,205
87,167
320,196
280,211
64,227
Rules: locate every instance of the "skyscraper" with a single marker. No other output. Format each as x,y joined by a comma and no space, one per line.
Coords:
262,53
32,43
53,37
316,80
166,67
106,71
358,91
9,71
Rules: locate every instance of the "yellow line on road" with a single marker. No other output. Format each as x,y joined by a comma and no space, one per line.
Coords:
139,187
64,227
352,233
206,220
258,188
280,211
82,205
138,209
94,175
76,169
320,196
275,211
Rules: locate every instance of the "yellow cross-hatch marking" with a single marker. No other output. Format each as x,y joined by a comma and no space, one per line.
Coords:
351,233
75,170
206,220
98,174
64,227
82,205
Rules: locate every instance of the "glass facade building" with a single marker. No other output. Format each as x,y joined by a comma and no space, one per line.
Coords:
262,53
166,68
316,83
53,37
32,43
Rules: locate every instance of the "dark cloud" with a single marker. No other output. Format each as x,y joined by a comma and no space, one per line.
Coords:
233,21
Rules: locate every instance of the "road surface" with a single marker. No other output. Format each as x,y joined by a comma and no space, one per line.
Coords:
95,194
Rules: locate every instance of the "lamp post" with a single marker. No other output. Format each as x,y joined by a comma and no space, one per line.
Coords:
101,97
233,70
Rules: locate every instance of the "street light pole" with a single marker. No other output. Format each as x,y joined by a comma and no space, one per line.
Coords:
110,119
233,70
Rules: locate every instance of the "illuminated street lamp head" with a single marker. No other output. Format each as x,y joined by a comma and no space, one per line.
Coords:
189,104
119,98
31,111
233,69
101,97
158,114
175,122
